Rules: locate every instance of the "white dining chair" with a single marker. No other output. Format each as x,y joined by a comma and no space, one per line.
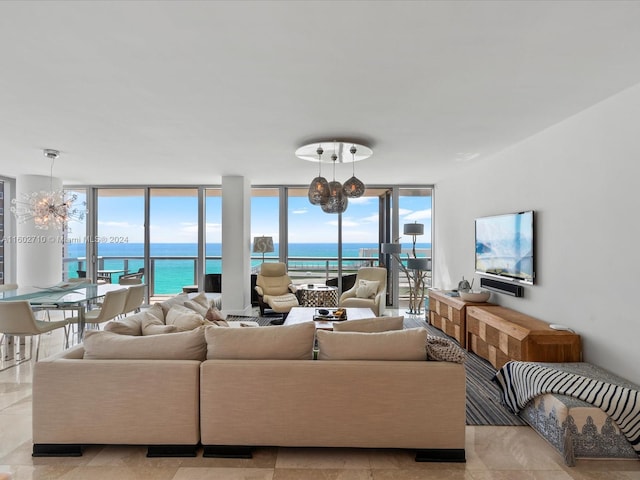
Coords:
17,320
135,297
112,306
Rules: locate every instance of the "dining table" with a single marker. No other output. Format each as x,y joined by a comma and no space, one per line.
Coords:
76,296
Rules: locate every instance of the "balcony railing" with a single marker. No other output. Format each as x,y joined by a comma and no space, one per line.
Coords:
168,274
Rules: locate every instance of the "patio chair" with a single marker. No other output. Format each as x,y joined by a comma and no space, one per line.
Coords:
18,320
276,293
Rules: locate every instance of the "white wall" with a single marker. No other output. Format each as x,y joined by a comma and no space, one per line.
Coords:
581,177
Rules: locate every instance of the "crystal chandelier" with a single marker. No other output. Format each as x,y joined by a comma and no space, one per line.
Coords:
48,209
333,197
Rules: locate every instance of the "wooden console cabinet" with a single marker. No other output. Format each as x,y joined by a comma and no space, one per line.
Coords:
500,334
449,314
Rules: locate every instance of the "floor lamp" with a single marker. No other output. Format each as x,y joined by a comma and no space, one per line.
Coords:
416,268
263,245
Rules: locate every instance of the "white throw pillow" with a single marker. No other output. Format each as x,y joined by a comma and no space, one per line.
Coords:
152,325
184,318
367,288
126,326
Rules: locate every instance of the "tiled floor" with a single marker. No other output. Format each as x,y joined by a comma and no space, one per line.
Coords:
498,453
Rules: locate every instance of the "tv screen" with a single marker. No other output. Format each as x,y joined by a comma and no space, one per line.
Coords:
504,246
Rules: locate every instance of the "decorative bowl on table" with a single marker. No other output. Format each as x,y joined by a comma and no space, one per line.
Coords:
478,296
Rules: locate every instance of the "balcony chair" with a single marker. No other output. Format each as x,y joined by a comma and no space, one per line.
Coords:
134,299
348,281
124,279
18,320
101,278
276,293
365,294
112,306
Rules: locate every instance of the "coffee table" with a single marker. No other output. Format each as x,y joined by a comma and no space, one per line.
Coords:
305,314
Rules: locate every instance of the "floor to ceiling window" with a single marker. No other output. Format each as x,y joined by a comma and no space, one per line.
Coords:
265,222
181,235
120,235
173,235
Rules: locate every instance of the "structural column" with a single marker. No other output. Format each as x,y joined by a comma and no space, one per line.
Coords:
38,252
236,245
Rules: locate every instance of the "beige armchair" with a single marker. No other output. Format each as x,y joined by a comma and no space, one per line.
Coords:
275,290
366,293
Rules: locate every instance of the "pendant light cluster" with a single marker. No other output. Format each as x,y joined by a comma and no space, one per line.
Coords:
333,197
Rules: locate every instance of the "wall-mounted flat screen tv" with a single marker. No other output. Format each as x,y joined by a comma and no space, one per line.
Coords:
504,246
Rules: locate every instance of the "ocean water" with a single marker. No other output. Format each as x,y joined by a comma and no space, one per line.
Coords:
174,263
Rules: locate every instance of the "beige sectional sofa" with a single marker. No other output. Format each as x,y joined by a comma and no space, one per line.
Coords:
250,387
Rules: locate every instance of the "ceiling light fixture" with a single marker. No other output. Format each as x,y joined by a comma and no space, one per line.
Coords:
52,209
333,197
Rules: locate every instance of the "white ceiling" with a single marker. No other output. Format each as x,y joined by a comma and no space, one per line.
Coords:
169,93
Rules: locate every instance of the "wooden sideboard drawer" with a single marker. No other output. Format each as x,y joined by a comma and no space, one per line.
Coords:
449,315
499,334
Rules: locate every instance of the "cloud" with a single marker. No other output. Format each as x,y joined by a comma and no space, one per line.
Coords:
117,224
300,211
403,211
419,215
349,223
371,218
362,200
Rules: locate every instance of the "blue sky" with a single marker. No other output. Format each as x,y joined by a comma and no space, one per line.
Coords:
174,219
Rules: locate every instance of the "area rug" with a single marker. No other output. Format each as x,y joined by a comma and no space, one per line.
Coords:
483,395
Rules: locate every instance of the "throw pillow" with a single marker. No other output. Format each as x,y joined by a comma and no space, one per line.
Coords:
151,325
291,342
196,307
126,326
202,300
367,288
156,311
177,300
183,318
444,350
174,346
214,315
369,325
394,345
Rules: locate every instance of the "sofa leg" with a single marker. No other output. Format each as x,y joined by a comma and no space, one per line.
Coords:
453,455
56,450
227,451
171,451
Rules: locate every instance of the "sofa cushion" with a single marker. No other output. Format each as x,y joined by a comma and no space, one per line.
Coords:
367,288
183,318
393,345
369,325
174,346
291,342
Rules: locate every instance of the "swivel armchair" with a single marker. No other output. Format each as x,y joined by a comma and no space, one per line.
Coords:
275,290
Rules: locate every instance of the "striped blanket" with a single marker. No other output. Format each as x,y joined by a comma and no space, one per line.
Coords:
522,381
